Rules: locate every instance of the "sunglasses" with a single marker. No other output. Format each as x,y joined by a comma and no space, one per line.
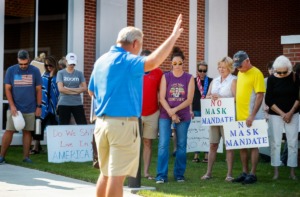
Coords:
49,65
202,71
177,63
282,73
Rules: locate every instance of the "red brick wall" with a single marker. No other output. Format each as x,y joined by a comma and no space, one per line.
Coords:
89,47
256,26
159,16
292,51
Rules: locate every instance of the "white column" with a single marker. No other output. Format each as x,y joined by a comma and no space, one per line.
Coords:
138,14
111,19
193,38
216,33
76,31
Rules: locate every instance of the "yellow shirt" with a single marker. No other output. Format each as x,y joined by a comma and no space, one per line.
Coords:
248,84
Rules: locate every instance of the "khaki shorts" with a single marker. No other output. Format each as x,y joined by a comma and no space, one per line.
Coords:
150,125
28,118
118,144
215,134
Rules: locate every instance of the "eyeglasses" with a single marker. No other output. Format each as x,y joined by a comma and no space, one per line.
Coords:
49,65
177,63
202,71
282,73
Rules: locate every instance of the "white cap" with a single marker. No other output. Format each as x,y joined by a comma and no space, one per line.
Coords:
19,121
71,58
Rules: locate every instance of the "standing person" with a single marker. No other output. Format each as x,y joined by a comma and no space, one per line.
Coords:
71,83
202,82
249,95
50,95
282,97
150,113
62,63
223,86
176,95
119,104
24,93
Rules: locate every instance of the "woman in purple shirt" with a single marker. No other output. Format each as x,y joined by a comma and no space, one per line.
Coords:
176,95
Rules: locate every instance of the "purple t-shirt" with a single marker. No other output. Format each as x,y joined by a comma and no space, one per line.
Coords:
176,93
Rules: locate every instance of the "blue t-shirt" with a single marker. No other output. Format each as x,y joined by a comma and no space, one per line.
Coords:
23,84
117,82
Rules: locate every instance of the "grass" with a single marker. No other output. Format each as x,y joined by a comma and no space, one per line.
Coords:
193,186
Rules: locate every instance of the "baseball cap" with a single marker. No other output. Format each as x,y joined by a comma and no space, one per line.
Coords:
71,58
239,57
23,54
18,121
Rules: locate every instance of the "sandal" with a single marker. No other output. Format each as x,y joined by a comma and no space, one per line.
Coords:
149,177
196,160
34,152
229,179
204,160
206,177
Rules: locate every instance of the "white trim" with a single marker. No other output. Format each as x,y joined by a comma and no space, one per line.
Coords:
193,37
292,39
36,42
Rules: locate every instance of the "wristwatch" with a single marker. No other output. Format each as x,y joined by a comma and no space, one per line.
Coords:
39,106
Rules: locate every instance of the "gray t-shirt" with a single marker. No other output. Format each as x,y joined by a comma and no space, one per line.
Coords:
70,80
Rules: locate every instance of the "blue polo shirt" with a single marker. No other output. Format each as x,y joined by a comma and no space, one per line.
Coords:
117,82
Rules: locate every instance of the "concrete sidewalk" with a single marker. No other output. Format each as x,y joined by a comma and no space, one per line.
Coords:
16,181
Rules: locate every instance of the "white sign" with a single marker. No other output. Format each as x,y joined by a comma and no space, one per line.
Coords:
70,143
238,135
217,112
198,137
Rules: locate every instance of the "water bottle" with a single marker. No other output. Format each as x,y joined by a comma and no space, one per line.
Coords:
38,126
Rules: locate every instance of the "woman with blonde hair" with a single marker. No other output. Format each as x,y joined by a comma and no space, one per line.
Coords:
223,86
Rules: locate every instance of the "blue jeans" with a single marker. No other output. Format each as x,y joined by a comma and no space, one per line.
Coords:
163,149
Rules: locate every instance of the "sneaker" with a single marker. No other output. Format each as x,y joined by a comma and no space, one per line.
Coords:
251,178
180,180
240,178
2,160
160,181
27,160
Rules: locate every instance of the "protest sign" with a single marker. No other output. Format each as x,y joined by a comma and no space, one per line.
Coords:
217,112
198,137
70,143
238,135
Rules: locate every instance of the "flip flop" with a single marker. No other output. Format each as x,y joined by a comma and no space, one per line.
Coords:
206,177
149,177
229,179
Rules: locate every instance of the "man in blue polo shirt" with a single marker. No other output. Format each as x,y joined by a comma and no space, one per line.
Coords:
116,84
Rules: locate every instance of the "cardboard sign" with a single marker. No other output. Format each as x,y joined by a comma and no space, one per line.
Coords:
198,137
217,112
70,143
238,135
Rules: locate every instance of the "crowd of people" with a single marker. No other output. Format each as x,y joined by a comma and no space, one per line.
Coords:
163,102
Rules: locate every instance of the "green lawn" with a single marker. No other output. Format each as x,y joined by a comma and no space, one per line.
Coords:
193,186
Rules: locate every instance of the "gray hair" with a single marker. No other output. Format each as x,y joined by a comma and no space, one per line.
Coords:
282,62
130,34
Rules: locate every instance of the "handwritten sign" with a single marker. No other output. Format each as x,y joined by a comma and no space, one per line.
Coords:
238,135
198,137
70,143
217,112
